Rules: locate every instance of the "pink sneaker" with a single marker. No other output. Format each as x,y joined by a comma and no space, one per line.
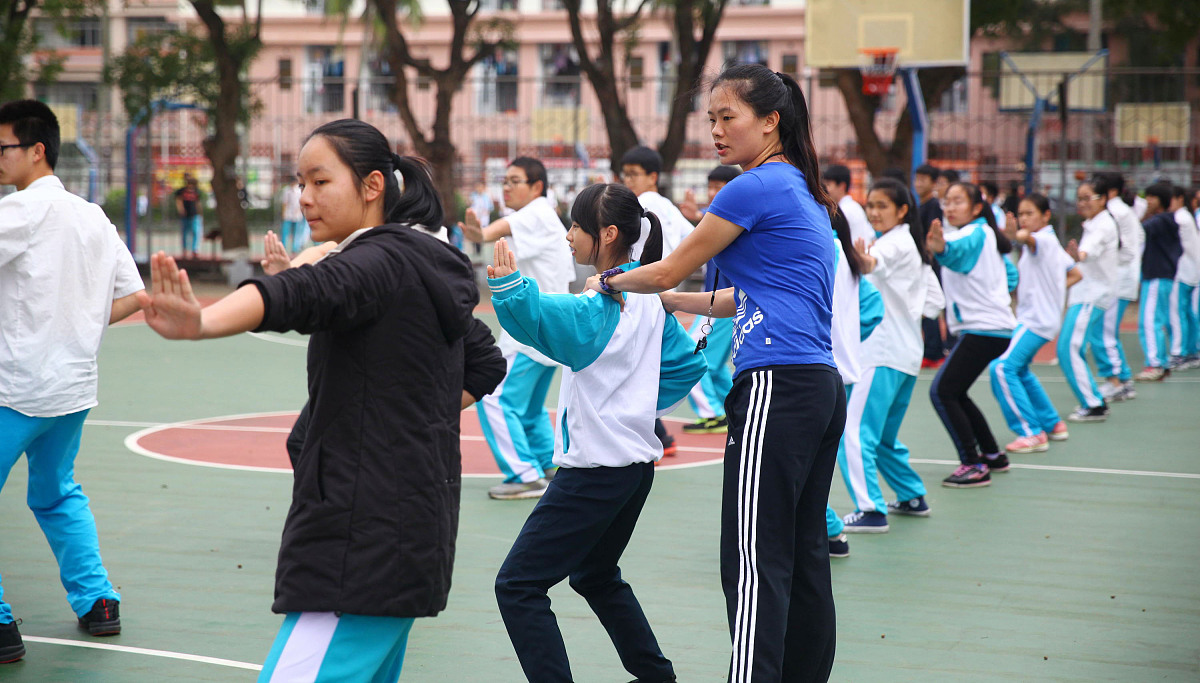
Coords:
1029,444
1059,433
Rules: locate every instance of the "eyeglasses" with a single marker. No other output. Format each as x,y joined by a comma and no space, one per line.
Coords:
1092,198
3,148
512,182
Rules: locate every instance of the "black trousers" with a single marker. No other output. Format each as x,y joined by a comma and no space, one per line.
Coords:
579,529
967,426
784,426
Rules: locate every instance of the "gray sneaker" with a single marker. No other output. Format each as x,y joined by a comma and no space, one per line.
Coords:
518,490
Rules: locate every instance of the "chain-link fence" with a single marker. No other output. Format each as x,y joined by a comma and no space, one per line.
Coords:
1147,126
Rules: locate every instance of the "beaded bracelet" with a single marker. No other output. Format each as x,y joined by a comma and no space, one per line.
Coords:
604,279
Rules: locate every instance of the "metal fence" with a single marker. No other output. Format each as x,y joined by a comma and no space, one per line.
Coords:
1149,127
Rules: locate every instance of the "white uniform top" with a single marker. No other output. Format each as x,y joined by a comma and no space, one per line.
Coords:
1132,242
844,332
674,226
1188,271
935,300
1042,289
539,242
860,227
898,275
1099,271
61,266
975,280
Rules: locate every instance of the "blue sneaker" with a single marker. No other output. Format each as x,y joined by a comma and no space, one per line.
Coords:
839,546
917,507
865,523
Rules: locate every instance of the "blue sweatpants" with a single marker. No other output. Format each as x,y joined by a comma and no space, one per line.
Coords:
1078,331
1105,340
1154,319
1185,320
833,523
191,229
295,235
1024,402
870,446
324,647
515,422
707,398
50,445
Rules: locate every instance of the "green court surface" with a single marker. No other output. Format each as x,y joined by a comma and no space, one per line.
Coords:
1079,564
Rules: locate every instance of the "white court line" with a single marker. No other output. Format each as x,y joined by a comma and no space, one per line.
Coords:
1063,468
144,651
275,339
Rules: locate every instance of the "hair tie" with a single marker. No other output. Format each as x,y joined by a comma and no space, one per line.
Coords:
778,75
645,213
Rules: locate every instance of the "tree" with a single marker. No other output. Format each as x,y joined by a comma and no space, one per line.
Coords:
483,37
688,17
18,39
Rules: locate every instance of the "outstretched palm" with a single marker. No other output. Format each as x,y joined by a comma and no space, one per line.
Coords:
504,262
172,310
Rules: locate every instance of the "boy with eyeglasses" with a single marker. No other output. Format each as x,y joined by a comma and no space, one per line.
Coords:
514,419
65,276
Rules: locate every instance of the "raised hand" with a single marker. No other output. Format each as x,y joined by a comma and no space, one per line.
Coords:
1073,249
172,310
275,257
689,208
471,228
865,259
935,239
504,262
1010,225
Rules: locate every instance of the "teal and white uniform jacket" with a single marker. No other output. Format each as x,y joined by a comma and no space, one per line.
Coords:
857,310
975,280
621,368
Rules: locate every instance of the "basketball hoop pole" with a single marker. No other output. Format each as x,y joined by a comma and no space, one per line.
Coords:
918,116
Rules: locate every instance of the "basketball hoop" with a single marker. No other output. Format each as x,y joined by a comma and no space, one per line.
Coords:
879,70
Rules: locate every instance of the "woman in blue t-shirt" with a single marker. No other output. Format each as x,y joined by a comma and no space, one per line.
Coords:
768,232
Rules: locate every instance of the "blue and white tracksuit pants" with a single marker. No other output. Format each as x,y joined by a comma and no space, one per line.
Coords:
1024,402
1185,320
515,422
1081,328
1154,319
707,398
870,446
324,647
1105,340
50,445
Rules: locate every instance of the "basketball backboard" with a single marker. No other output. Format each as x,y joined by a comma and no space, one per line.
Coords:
1044,71
926,32
1167,124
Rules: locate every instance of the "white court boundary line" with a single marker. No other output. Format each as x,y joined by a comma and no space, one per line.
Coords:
199,424
145,651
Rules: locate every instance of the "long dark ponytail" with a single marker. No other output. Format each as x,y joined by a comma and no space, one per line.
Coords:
605,204
841,226
1003,245
364,149
766,91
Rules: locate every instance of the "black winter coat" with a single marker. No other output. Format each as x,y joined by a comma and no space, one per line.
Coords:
374,512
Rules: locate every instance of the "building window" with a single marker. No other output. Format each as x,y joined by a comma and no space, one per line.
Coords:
146,26
560,74
314,7
83,95
954,100
69,34
637,73
751,2
552,5
324,82
791,66
493,5
744,52
285,74
496,85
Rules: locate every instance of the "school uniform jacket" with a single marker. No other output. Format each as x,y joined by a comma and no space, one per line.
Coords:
1163,247
1188,271
857,311
976,281
621,367
374,511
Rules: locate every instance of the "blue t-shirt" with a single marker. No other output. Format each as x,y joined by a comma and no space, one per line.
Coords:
781,268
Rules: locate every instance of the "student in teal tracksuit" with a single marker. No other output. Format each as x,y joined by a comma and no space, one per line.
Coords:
623,363
857,310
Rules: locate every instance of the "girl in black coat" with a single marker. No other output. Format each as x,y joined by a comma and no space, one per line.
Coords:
394,355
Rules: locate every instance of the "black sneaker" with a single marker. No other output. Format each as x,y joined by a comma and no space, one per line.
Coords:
104,619
708,425
968,476
12,647
839,546
917,507
1082,414
996,463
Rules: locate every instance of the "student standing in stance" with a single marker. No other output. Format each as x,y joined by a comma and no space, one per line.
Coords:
768,230
623,363
368,544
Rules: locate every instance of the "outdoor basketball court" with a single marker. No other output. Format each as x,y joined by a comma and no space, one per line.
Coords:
1078,565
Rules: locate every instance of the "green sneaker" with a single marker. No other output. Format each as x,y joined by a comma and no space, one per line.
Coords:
518,490
708,425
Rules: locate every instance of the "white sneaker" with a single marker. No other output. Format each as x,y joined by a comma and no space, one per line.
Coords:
518,490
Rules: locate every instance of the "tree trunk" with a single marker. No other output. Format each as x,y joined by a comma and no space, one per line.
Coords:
222,147
693,55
